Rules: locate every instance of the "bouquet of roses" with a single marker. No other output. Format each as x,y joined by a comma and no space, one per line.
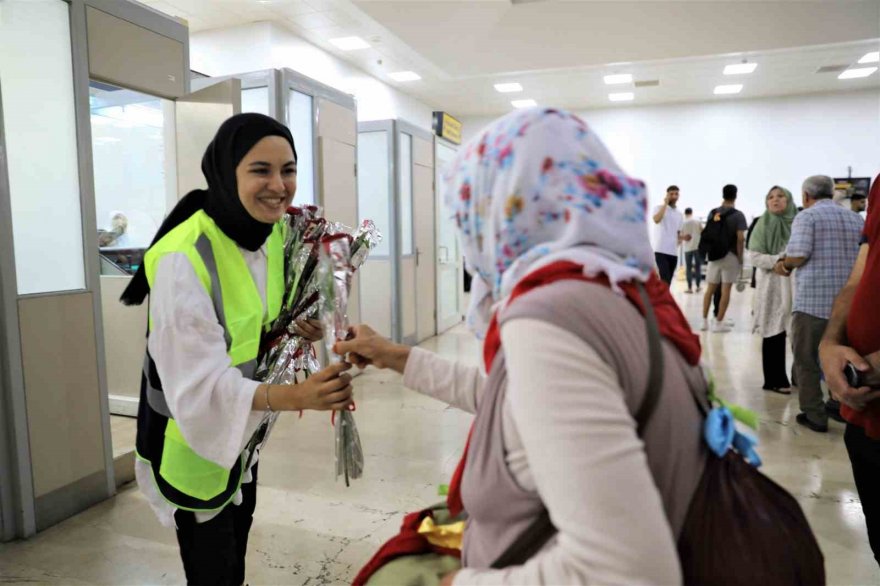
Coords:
339,257
285,356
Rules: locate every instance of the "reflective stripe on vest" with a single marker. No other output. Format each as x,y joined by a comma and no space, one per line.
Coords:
223,271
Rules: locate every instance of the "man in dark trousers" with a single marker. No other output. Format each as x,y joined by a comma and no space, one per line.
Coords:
667,234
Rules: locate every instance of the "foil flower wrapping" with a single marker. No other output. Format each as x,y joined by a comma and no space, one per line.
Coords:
287,358
334,274
340,256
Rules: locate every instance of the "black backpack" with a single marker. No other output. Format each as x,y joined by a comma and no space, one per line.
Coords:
717,239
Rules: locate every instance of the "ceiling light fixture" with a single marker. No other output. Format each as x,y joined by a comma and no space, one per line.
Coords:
857,72
523,103
618,78
622,97
508,88
350,43
404,76
721,90
740,68
873,57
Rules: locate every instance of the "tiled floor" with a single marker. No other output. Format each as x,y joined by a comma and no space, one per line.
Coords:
312,530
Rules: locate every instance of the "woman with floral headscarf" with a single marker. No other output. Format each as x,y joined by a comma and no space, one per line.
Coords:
773,293
556,237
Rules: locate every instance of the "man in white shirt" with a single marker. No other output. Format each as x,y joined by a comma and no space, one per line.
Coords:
690,238
668,222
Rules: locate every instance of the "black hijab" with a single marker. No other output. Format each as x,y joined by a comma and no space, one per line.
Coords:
234,139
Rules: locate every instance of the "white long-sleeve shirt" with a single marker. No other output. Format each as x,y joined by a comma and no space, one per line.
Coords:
209,398
614,528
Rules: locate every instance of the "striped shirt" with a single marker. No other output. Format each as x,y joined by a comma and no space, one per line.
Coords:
827,235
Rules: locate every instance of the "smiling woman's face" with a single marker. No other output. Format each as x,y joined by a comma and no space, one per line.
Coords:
266,178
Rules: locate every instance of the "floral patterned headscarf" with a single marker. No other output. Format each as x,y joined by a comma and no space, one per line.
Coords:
538,186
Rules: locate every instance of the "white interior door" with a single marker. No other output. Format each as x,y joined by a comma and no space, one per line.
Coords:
423,212
374,203
337,182
198,116
188,125
406,241
450,276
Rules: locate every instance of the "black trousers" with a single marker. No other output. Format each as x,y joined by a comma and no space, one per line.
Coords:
214,552
666,264
694,270
773,359
864,454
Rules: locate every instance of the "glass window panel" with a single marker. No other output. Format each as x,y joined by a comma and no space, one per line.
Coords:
134,171
374,197
301,123
255,100
405,195
40,135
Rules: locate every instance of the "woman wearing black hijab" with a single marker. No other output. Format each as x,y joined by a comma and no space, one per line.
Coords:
214,275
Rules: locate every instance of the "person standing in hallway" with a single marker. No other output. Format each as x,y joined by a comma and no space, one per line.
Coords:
858,203
214,274
668,221
823,248
853,336
773,295
556,235
723,239
690,241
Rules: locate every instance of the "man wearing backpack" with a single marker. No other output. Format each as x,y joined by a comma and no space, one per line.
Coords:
723,241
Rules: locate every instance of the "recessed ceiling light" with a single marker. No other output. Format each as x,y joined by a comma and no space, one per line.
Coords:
523,103
721,90
404,76
873,57
508,88
622,97
857,72
740,68
350,43
618,78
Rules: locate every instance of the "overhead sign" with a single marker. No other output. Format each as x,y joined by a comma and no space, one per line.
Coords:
448,127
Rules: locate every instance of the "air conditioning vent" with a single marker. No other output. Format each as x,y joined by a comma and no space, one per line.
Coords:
832,68
648,83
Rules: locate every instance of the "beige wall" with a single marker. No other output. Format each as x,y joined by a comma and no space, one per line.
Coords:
60,364
125,341
336,181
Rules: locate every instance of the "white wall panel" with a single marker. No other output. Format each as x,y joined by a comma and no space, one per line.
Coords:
751,143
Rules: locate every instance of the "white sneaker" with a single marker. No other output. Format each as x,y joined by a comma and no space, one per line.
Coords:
729,322
720,327
705,325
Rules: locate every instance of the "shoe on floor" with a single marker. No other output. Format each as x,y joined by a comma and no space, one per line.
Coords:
720,327
780,390
704,326
832,408
729,322
803,420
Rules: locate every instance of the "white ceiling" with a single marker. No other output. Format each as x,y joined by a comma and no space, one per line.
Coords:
560,50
